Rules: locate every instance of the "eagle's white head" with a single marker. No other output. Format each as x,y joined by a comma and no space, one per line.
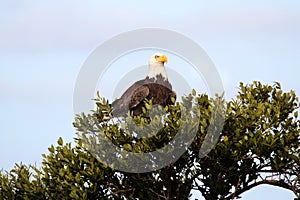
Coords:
156,66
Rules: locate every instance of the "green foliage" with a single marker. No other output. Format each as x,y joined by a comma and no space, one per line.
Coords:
258,144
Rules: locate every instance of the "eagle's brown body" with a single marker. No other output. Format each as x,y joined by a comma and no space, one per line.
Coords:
159,91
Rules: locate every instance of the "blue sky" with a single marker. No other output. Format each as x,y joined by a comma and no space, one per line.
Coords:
43,45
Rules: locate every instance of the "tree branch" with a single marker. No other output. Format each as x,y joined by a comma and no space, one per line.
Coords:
279,183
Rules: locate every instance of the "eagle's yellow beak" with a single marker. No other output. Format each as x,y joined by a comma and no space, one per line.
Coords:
163,58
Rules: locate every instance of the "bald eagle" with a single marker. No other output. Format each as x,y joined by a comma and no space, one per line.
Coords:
155,87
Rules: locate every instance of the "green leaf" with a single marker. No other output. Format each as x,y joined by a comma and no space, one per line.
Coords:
60,141
225,139
194,92
51,149
127,147
296,114
148,106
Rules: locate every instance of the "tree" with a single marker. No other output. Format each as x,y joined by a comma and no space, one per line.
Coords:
258,144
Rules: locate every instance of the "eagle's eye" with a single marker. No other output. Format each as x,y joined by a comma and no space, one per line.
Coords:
156,56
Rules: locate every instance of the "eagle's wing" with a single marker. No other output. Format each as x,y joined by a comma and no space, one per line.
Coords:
138,96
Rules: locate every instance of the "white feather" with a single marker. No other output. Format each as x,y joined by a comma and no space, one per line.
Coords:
156,68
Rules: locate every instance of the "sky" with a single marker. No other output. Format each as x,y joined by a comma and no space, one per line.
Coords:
44,44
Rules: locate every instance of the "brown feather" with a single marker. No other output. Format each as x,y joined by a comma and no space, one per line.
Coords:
159,90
